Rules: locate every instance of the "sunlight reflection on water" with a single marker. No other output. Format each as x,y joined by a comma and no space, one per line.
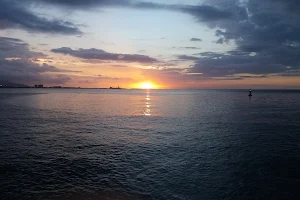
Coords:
147,111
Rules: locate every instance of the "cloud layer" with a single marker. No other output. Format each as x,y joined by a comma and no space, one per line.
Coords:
206,13
267,36
195,39
98,54
24,18
16,15
16,65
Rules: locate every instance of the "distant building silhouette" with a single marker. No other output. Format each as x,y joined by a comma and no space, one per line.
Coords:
38,86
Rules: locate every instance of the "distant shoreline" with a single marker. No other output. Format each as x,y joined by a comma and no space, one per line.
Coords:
54,88
79,88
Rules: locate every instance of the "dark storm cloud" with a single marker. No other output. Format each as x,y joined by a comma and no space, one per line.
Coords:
98,54
236,64
267,36
13,14
16,64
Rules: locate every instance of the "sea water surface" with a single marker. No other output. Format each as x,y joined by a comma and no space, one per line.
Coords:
58,144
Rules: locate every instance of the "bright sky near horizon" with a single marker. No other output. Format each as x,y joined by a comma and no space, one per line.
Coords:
151,43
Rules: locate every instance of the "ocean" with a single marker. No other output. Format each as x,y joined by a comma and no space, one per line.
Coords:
58,144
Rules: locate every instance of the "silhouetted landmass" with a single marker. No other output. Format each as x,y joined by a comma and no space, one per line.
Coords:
7,84
118,88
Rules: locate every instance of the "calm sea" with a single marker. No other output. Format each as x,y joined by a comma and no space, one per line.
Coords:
81,144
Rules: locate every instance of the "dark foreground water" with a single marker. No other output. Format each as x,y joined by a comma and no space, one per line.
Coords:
123,144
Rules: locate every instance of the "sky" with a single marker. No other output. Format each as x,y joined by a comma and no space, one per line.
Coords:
168,44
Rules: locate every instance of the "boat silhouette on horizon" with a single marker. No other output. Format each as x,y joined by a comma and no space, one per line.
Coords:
115,88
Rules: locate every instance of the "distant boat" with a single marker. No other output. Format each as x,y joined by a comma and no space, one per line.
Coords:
250,93
118,88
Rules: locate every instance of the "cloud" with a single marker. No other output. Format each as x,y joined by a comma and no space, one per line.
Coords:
16,48
23,18
105,81
16,64
190,47
84,4
15,15
195,39
221,65
207,13
98,54
107,78
185,57
186,48
22,71
118,66
266,35
288,73
150,39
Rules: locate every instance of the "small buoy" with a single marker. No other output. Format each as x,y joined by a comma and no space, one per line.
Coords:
250,93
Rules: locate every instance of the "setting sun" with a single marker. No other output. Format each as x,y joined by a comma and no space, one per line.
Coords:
146,85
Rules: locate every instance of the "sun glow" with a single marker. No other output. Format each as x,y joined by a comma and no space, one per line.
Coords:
146,85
